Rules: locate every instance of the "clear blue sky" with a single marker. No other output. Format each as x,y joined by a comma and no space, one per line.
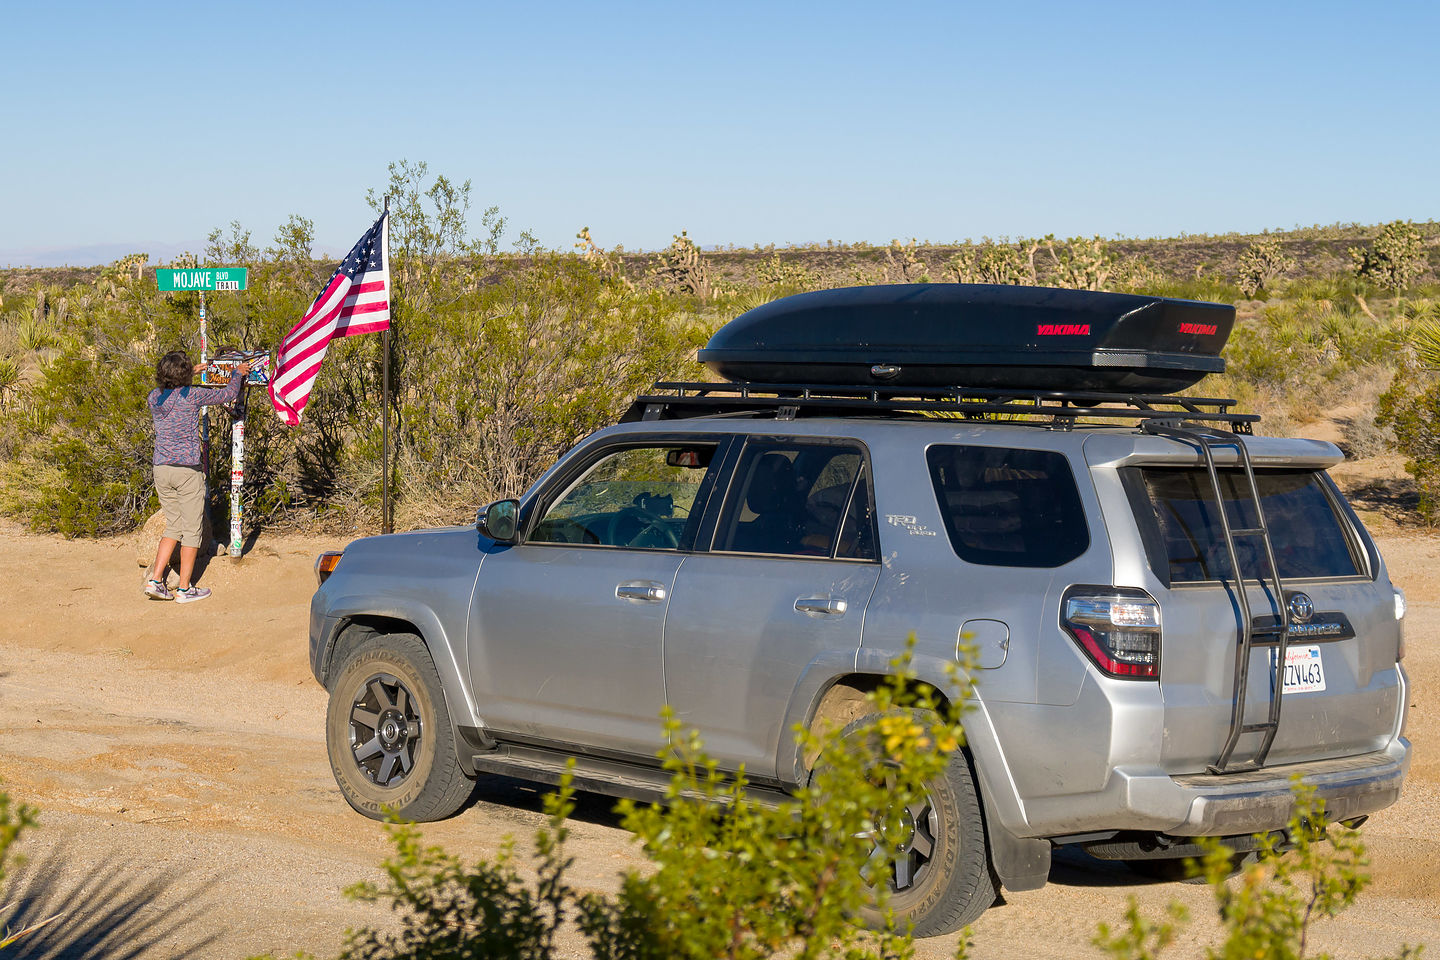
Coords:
147,124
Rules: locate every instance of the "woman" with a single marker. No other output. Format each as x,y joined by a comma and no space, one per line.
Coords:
179,481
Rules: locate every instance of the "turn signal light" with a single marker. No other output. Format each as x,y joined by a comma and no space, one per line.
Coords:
325,565
1117,627
1400,622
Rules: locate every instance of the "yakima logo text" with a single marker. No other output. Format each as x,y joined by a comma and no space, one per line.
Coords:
1208,329
1063,330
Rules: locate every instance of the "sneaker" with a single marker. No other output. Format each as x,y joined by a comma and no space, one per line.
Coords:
156,590
190,594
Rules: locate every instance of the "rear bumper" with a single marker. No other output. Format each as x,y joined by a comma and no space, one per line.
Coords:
1217,805
1210,805
1224,804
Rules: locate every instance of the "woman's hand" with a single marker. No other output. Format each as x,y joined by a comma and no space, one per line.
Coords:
242,369
198,367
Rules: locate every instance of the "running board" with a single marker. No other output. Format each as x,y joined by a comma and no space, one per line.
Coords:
610,777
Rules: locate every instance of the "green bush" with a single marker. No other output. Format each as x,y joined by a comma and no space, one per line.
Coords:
1394,260
1271,910
498,364
1261,263
15,819
1411,410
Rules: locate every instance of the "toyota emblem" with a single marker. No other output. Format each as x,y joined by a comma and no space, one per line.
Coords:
1302,608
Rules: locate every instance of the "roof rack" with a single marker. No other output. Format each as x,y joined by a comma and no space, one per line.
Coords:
787,401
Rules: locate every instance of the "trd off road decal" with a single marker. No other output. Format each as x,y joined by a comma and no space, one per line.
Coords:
911,525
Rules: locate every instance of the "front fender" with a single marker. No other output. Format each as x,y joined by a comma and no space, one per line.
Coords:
344,609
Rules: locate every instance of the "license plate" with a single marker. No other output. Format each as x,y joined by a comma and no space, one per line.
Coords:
1304,670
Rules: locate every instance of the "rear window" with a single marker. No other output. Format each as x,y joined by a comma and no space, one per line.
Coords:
1008,508
1305,530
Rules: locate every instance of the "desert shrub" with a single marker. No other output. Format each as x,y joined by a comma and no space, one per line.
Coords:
1411,410
1299,356
902,263
1260,264
791,274
1081,263
499,363
1394,260
1207,286
681,268
1271,910
15,819
1001,263
517,372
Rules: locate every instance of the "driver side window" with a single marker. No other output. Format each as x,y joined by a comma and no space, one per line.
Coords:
640,498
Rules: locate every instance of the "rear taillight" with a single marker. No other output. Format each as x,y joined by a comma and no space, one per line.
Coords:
1400,622
1117,627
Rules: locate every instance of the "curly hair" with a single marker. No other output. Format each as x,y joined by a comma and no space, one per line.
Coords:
174,370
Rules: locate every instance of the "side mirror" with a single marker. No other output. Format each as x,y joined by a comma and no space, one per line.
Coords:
499,521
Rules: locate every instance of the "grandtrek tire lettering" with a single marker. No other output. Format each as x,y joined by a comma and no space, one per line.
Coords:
434,786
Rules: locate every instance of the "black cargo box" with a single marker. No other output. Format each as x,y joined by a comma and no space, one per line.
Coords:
978,335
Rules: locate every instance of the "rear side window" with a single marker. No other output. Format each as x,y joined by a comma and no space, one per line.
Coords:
1008,508
1305,529
799,500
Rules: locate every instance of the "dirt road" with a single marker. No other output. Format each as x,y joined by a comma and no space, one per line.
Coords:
177,754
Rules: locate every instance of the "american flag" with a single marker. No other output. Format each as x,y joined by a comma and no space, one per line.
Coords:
355,301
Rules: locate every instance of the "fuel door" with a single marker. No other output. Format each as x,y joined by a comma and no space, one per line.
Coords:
989,638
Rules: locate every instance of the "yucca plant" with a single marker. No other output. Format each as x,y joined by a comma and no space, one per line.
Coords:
35,334
9,378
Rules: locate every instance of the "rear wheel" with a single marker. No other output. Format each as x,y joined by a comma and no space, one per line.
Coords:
932,858
389,736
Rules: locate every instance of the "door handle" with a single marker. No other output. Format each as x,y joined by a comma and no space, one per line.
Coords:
822,606
645,591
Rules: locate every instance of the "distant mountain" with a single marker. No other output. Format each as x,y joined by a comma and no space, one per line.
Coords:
95,254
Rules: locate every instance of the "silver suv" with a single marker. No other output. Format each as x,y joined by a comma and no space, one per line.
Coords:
1170,619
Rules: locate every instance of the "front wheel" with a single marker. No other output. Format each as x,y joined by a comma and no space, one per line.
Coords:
936,865
389,736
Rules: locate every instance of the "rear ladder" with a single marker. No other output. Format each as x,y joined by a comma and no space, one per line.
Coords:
1207,440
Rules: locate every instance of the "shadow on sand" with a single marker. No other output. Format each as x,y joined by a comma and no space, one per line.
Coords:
110,912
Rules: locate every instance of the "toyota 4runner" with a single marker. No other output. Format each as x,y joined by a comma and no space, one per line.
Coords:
1170,617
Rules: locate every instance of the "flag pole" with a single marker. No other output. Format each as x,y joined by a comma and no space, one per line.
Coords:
386,522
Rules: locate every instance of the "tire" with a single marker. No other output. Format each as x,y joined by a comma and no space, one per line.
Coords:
954,884
388,733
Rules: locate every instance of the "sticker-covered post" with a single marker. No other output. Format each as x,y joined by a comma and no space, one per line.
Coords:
200,280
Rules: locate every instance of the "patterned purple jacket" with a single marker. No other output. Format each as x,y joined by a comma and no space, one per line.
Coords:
177,420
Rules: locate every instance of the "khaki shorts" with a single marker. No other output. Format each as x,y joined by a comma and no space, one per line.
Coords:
182,497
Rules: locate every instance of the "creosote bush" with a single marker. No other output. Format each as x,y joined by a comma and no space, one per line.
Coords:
1270,910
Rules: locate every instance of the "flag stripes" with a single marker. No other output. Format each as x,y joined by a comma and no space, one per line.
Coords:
354,302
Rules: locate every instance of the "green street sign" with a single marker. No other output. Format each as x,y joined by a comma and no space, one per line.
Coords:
203,278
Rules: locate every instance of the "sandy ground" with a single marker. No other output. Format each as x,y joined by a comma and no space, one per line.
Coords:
177,754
